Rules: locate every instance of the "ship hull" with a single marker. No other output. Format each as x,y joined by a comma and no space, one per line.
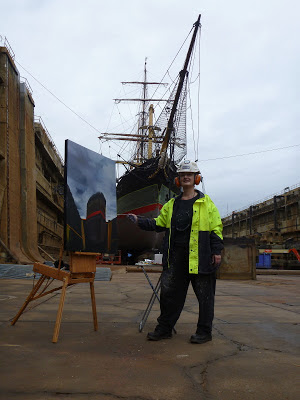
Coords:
133,240
142,192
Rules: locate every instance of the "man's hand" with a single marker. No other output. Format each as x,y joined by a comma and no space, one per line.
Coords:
216,259
133,218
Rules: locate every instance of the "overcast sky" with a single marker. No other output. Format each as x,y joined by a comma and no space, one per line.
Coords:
249,92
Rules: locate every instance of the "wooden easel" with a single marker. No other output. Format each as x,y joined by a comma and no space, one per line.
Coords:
82,270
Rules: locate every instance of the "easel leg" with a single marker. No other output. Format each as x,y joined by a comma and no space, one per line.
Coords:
148,279
29,298
94,305
150,304
60,310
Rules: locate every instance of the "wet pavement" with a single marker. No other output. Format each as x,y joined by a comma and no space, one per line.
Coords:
254,353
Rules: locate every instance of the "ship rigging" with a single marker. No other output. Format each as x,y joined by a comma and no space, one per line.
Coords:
148,182
166,139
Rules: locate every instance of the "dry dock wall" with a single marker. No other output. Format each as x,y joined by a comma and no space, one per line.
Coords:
28,175
30,216
274,221
49,191
10,181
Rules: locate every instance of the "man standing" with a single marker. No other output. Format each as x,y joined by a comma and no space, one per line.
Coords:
192,253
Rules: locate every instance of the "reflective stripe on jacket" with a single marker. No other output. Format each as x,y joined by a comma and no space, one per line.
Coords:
206,233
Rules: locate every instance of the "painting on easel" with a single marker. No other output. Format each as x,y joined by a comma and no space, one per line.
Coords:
90,201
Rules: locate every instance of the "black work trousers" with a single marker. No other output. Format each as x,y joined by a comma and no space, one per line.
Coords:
174,286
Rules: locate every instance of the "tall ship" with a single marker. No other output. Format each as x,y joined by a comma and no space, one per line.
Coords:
148,182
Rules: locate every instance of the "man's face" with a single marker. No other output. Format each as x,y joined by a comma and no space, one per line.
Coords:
187,178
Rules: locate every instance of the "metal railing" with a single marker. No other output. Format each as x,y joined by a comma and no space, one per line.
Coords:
26,83
39,120
5,43
50,223
44,183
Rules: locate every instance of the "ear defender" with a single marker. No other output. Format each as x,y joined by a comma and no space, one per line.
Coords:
177,181
198,179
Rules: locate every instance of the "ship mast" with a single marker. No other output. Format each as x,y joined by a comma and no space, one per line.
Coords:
141,138
182,75
144,109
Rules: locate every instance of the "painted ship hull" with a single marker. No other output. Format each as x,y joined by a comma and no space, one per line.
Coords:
141,193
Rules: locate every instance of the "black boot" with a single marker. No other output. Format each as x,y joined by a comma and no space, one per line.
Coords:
158,335
200,338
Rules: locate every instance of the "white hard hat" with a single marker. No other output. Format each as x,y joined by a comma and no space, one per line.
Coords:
188,166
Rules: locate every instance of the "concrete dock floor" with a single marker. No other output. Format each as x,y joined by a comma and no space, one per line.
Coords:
254,353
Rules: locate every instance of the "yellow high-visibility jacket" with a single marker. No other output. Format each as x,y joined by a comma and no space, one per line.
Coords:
206,233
